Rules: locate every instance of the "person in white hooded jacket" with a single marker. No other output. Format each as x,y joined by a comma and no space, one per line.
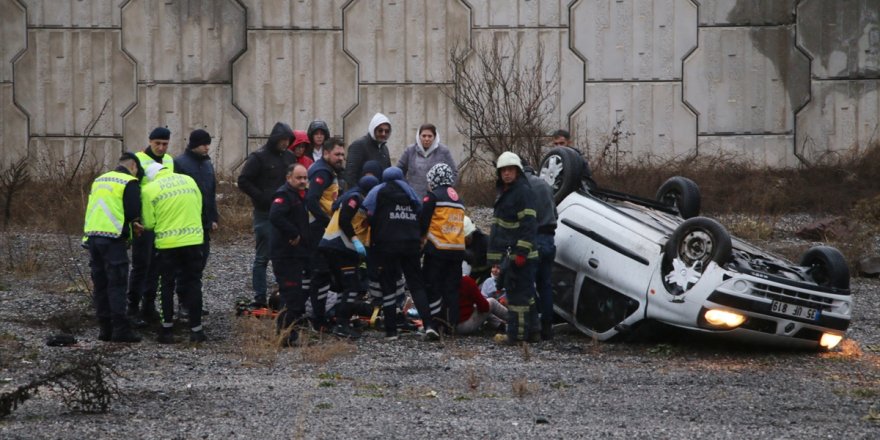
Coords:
371,146
419,157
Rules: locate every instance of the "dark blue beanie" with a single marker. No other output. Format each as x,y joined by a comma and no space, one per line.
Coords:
160,133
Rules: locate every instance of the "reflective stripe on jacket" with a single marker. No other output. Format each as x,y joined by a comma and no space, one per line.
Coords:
172,208
105,212
335,237
445,232
514,223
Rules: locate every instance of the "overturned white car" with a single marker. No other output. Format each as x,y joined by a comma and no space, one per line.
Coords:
622,260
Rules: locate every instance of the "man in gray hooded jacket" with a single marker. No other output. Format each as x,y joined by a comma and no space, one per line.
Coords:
371,146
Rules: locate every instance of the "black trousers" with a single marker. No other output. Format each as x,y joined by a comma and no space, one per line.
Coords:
144,281
317,284
390,265
289,273
344,268
186,260
206,250
109,269
442,278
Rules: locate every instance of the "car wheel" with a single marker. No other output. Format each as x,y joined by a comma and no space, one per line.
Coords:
691,247
561,168
827,266
683,194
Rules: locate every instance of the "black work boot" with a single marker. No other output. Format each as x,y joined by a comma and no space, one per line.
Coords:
166,335
546,330
122,333
197,336
105,330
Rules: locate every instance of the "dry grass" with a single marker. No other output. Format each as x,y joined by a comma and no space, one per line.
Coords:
324,350
255,341
472,380
10,349
21,255
236,211
751,228
521,387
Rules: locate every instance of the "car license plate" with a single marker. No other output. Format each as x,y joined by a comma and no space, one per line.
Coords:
794,310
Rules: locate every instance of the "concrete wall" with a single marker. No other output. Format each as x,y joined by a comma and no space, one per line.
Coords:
775,82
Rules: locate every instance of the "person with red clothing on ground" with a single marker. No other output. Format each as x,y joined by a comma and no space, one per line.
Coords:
475,310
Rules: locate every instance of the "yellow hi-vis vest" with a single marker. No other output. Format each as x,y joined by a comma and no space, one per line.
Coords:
105,213
172,208
446,231
146,160
336,238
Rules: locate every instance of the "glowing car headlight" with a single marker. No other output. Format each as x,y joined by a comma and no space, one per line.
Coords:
830,340
723,318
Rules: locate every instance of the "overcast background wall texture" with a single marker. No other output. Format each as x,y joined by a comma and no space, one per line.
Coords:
777,82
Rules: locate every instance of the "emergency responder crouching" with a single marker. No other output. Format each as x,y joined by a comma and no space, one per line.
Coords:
393,208
113,210
288,249
172,209
344,244
511,244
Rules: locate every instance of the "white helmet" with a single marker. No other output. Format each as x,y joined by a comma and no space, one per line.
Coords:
509,159
469,226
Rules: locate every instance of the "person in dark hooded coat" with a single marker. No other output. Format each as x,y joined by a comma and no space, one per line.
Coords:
263,173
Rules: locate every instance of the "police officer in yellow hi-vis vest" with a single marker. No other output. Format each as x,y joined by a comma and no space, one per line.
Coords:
144,275
172,209
113,211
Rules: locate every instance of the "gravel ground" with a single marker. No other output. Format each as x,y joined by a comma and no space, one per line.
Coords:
674,386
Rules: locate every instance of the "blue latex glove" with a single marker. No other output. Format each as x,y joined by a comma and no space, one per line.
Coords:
359,247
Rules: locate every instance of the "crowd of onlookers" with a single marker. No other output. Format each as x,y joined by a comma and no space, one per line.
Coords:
347,233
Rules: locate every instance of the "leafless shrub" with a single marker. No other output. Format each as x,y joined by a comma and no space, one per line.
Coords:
86,382
21,254
504,98
12,180
472,380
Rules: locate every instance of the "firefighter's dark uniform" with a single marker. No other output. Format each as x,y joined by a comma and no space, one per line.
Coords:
513,230
114,202
322,192
348,226
290,222
442,224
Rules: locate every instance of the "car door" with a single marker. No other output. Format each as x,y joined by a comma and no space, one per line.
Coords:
613,260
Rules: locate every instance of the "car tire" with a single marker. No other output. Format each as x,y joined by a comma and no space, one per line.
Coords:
697,239
562,168
827,266
683,194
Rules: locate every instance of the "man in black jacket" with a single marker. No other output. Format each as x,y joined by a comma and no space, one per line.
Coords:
289,248
195,163
372,146
262,174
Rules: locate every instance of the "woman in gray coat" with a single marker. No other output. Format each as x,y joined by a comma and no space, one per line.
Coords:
419,157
